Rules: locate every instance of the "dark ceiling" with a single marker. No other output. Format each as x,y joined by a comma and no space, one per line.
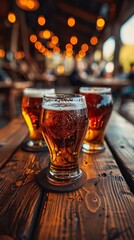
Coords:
57,12
85,13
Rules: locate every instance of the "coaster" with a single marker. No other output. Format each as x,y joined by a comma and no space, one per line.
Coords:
25,147
43,181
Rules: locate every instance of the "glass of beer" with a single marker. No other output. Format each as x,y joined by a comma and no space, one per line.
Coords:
99,104
31,108
64,122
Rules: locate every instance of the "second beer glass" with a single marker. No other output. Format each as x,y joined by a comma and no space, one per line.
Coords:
99,104
64,123
31,107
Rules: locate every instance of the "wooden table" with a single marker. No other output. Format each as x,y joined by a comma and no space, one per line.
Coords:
102,209
114,83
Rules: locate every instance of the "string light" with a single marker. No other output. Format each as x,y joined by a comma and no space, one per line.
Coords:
68,46
38,45
71,22
82,53
94,40
46,34
19,55
100,23
11,17
33,38
41,20
28,5
55,40
74,40
84,47
56,50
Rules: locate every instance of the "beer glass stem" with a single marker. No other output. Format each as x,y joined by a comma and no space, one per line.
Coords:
63,177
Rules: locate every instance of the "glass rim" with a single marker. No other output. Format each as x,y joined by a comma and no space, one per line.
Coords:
95,90
64,101
63,96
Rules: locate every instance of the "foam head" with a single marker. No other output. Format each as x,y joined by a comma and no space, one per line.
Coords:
37,92
64,102
99,90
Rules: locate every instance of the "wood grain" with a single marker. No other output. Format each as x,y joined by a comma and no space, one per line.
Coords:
101,209
20,194
120,137
10,138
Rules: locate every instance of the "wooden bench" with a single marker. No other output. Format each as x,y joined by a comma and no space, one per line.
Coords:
102,209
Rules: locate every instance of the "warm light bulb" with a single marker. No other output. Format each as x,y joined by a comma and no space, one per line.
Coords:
71,22
74,40
38,45
11,17
46,34
100,22
84,47
55,40
28,5
56,50
41,20
68,46
94,40
82,53
33,38
19,55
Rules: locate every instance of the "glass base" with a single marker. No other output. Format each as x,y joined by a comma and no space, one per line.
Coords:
45,183
62,178
93,148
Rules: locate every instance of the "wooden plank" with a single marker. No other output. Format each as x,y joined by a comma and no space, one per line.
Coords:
20,194
10,138
101,209
120,137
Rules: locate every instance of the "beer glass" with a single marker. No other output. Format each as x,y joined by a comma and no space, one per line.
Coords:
64,122
31,107
99,104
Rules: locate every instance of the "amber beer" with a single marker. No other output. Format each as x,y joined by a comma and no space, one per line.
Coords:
64,124
31,107
99,104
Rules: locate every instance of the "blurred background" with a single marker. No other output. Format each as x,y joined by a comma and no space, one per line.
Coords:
65,45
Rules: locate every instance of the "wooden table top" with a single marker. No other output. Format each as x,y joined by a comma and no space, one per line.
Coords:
114,83
102,209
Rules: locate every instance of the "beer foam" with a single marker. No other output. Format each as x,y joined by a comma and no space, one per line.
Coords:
58,106
35,93
95,90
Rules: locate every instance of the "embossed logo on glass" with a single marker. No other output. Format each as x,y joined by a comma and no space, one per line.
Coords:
63,124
